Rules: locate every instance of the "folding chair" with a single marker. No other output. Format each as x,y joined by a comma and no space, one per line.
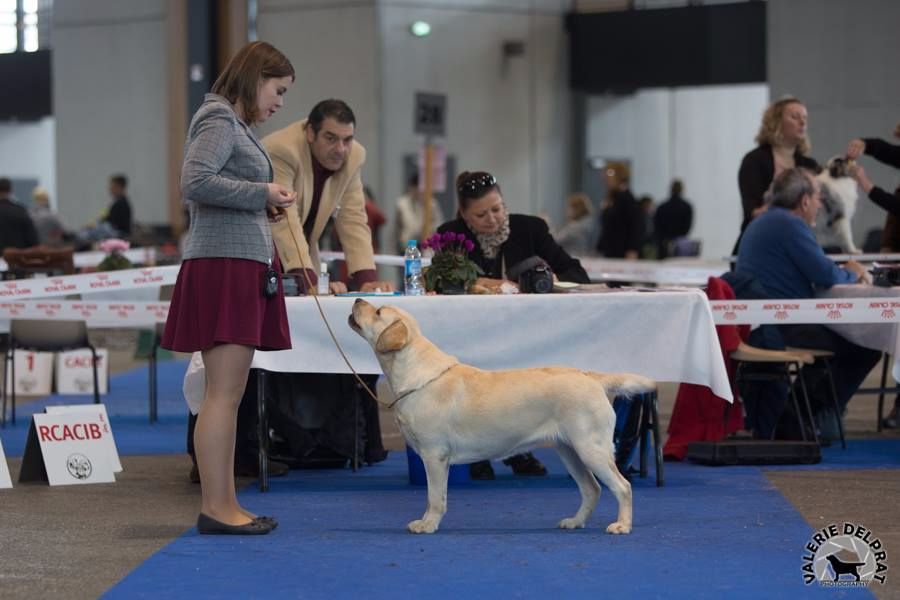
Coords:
44,336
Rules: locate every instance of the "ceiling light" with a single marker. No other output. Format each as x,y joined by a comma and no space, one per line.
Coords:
420,29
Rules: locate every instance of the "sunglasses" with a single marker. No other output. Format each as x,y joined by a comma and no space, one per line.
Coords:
475,185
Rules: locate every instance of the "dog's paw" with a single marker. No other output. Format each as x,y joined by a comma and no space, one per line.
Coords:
571,524
618,528
422,526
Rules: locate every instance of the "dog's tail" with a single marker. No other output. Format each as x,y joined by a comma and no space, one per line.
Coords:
624,384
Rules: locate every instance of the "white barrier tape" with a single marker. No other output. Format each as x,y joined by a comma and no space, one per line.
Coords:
97,314
138,256
861,258
816,310
660,272
87,283
380,259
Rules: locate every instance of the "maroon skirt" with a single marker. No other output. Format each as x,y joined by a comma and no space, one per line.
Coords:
221,301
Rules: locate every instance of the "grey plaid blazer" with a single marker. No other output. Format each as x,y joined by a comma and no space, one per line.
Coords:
223,183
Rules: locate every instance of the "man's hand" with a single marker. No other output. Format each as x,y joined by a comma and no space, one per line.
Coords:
855,149
861,273
337,287
377,286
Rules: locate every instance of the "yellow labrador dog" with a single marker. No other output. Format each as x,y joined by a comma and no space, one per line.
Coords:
452,413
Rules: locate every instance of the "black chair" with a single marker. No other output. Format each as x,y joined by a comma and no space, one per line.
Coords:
44,336
637,417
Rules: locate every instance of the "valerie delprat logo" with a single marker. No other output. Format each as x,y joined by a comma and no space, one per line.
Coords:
845,555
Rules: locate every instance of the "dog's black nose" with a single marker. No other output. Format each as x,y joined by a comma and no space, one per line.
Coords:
358,300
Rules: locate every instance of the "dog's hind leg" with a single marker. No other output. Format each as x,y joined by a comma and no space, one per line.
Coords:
437,470
602,463
587,485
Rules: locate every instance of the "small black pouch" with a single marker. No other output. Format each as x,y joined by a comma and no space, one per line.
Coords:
270,283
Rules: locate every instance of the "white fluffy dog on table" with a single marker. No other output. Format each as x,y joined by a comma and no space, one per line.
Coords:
452,413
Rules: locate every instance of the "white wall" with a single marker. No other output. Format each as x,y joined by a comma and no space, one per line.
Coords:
840,58
697,134
28,150
508,116
110,104
333,48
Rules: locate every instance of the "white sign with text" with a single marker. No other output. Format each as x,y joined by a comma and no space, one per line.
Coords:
75,375
5,480
33,373
99,411
66,449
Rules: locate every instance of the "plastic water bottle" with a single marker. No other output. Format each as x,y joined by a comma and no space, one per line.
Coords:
322,287
414,286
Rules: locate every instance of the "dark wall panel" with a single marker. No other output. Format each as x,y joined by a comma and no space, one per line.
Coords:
25,86
696,45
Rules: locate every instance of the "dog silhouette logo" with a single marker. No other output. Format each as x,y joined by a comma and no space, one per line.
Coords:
844,555
839,567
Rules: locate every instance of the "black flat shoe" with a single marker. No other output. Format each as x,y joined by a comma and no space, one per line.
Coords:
892,421
526,464
267,521
481,470
209,526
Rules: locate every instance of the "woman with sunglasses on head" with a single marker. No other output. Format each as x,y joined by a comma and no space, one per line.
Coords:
502,242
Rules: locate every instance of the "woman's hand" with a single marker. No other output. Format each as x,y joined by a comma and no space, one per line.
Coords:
279,196
494,284
855,149
277,199
859,174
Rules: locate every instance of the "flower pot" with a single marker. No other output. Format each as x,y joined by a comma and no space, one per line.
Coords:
451,288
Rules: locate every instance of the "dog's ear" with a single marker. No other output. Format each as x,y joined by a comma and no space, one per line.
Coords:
393,338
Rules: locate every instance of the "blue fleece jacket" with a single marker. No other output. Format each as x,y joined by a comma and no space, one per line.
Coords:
781,252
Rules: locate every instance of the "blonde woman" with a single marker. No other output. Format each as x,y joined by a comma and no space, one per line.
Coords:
783,145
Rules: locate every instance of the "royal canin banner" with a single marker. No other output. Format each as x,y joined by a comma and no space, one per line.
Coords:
97,314
819,310
87,283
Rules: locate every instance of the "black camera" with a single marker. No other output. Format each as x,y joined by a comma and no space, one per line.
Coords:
533,274
886,276
537,280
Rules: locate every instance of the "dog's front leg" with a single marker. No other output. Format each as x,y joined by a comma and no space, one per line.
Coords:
437,470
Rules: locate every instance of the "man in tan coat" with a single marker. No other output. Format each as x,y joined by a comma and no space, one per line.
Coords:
319,159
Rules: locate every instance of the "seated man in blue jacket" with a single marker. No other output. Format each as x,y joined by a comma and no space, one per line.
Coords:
780,251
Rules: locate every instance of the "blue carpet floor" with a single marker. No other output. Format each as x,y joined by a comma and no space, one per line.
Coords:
710,532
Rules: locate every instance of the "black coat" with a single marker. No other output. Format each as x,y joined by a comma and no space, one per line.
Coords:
673,219
528,236
119,215
621,226
756,174
16,227
888,154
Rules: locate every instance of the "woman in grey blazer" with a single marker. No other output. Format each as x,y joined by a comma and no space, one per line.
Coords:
228,299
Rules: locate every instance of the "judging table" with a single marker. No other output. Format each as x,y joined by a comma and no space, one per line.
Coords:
665,335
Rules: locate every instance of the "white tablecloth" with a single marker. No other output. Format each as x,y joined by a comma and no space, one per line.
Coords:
878,336
668,336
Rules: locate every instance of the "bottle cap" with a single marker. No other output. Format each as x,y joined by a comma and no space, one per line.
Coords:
411,243
323,267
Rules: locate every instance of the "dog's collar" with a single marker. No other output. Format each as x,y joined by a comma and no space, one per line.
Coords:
403,395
